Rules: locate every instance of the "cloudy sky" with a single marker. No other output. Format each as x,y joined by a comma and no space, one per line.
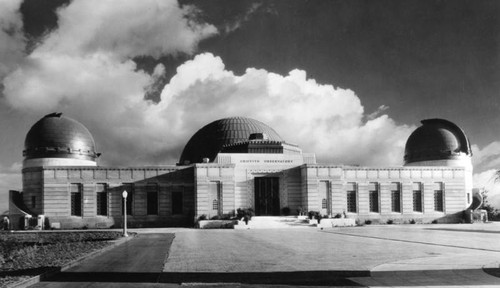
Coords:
348,80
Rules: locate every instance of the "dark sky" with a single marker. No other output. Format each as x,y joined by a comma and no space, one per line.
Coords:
423,59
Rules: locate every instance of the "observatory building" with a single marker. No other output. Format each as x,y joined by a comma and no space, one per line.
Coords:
236,163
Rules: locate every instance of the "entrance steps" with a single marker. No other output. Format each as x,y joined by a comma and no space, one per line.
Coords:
275,222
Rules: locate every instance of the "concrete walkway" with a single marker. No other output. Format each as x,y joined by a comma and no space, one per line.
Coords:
371,256
392,255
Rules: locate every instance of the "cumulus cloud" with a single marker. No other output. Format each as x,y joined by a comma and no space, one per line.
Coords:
84,68
487,157
93,47
12,41
126,29
235,25
381,109
320,118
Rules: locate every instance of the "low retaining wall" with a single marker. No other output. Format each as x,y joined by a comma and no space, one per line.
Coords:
337,222
216,224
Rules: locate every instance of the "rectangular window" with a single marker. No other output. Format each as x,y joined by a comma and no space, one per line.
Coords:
33,201
152,204
177,202
395,198
215,189
102,199
417,197
129,187
76,199
373,194
323,190
351,198
438,197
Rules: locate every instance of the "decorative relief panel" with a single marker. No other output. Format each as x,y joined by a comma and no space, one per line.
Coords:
361,174
336,172
394,174
322,172
448,174
372,174
151,173
213,172
62,173
201,172
437,174
312,172
459,173
427,174
100,174
88,174
126,174
350,174
113,174
383,174
49,174
138,174
75,174
405,174
416,174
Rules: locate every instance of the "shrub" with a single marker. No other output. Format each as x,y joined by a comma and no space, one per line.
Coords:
368,222
202,217
412,221
216,217
435,221
314,215
285,211
300,211
338,215
245,212
390,221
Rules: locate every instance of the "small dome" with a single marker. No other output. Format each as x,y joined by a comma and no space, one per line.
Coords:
436,139
210,139
56,136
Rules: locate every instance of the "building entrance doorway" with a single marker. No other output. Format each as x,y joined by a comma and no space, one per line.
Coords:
267,196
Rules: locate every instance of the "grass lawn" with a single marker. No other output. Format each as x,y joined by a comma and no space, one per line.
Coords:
23,255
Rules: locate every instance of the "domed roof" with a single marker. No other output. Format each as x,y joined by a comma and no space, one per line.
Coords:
436,139
210,139
56,136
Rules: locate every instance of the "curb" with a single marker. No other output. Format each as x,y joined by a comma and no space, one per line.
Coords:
38,278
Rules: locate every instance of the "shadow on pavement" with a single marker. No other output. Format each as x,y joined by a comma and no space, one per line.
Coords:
492,271
318,278
464,230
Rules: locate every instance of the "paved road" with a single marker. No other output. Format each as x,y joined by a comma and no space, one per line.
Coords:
374,256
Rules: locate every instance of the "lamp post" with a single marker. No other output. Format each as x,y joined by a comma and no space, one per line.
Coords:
124,195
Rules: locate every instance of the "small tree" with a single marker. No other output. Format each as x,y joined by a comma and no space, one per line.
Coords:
493,213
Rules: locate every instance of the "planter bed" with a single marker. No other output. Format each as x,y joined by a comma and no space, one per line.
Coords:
26,254
216,224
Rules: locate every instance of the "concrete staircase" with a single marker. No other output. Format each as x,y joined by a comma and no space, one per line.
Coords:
275,222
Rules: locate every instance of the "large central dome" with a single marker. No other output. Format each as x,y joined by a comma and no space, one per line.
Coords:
210,139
